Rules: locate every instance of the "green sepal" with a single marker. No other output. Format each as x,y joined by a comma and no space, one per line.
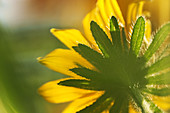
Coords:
149,106
89,54
102,103
115,33
125,108
137,97
101,39
158,92
120,105
157,41
146,105
85,72
137,36
162,79
125,43
164,51
160,65
78,83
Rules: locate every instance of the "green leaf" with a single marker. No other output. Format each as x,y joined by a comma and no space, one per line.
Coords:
78,83
157,41
84,72
160,65
101,39
125,43
162,79
158,92
137,36
101,104
115,32
89,54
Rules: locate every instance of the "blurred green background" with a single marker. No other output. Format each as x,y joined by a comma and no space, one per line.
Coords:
25,36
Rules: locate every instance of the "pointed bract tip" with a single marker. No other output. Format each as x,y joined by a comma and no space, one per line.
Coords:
141,17
92,23
113,17
74,47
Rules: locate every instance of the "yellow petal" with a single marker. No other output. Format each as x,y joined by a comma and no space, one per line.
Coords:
107,111
148,30
106,18
131,11
162,102
87,31
118,12
131,109
140,9
135,9
81,103
61,60
101,14
70,37
101,6
58,94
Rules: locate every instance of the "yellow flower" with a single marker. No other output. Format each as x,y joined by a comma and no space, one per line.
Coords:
127,15
66,61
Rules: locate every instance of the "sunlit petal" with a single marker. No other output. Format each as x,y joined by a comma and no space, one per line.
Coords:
61,60
81,103
58,94
70,37
162,102
101,14
148,30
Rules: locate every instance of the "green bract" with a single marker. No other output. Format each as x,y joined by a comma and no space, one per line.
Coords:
122,73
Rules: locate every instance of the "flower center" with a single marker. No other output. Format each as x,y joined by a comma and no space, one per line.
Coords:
120,74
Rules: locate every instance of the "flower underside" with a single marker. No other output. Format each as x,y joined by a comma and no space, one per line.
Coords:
121,70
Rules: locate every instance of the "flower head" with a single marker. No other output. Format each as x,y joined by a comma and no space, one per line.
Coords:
107,72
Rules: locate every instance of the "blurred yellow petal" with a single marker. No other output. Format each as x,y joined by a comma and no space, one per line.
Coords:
135,9
61,60
109,9
101,14
81,103
101,6
132,110
127,14
140,9
162,102
118,12
107,111
86,25
131,17
58,94
70,37
148,30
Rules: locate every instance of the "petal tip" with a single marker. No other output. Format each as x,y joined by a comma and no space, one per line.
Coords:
39,58
53,30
